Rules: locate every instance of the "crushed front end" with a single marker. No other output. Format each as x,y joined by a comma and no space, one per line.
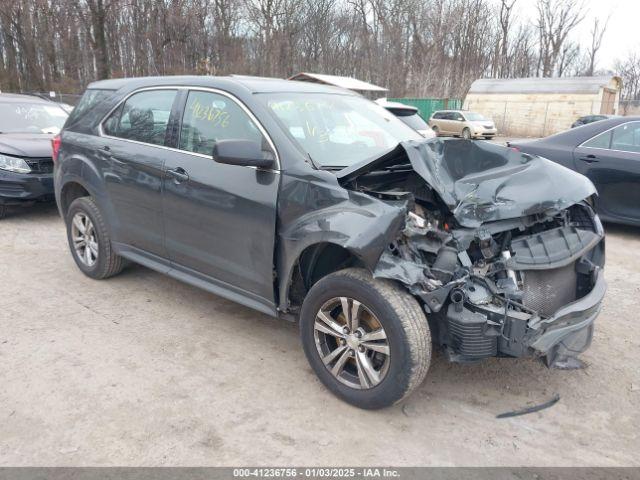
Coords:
504,250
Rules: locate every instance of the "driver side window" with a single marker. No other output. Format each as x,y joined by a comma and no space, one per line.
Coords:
210,117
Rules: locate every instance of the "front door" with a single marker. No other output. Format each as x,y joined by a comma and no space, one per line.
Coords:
220,220
611,160
131,158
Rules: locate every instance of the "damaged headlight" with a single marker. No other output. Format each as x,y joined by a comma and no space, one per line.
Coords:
14,164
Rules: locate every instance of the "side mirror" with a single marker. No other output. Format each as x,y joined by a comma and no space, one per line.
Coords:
244,153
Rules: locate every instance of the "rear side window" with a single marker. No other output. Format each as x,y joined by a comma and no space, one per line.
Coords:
209,117
89,99
438,115
143,117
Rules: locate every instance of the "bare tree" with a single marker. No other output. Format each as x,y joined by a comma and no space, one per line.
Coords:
556,19
501,60
597,33
433,48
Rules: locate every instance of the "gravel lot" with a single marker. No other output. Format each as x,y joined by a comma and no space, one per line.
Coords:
144,370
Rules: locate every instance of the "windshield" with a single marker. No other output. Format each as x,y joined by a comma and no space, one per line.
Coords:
31,118
338,130
474,117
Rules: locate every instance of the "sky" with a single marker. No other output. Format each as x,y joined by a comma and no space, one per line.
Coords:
622,36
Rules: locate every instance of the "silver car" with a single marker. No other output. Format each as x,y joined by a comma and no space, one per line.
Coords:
462,124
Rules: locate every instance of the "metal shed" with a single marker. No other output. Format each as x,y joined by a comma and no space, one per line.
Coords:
542,106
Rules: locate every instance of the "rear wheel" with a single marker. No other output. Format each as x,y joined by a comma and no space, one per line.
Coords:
366,339
436,130
466,134
89,240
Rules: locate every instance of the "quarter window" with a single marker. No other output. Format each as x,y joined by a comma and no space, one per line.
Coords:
599,141
210,117
627,137
143,117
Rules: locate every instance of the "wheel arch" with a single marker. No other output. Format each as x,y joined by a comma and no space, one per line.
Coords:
71,190
317,261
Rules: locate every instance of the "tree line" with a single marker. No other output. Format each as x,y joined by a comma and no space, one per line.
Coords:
430,48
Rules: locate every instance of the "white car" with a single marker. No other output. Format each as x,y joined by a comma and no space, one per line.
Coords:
408,115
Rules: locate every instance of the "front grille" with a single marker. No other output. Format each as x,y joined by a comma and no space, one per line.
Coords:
545,291
40,165
10,188
488,127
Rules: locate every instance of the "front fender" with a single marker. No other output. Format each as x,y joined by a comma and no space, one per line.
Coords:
311,213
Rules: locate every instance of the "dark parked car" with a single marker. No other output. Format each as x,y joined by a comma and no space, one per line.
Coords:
590,119
27,125
314,204
608,152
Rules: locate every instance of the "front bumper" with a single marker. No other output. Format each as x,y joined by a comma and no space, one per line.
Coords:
475,332
18,188
569,321
489,132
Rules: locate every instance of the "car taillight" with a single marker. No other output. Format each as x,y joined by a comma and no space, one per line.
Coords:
55,147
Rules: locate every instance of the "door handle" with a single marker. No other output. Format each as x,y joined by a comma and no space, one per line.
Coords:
179,174
106,151
590,159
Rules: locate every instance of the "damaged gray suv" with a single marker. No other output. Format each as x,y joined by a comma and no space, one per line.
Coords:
313,204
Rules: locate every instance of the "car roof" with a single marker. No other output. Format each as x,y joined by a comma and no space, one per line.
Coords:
578,135
21,98
252,84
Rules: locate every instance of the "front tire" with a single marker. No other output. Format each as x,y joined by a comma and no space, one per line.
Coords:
367,339
466,134
89,240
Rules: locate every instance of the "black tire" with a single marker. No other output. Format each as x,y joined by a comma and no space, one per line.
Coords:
435,130
466,134
107,263
401,317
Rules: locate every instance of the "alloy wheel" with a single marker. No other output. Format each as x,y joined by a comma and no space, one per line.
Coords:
352,343
85,241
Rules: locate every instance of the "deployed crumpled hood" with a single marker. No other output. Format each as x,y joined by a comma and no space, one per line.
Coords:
482,181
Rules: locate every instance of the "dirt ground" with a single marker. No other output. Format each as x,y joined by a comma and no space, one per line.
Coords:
143,370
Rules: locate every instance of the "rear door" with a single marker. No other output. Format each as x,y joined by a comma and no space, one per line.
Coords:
612,161
131,157
220,219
